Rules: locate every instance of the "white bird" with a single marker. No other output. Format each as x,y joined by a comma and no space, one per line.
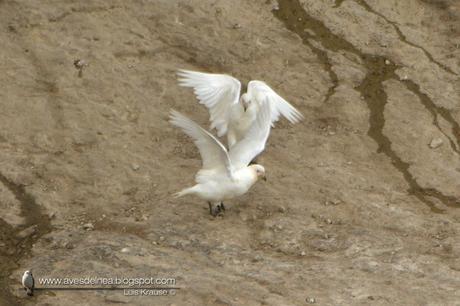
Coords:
225,174
229,113
28,282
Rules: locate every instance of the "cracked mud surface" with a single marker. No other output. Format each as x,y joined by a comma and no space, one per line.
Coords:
362,201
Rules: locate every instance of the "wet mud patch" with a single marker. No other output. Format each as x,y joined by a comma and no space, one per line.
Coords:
16,243
379,69
296,27
403,37
439,4
338,3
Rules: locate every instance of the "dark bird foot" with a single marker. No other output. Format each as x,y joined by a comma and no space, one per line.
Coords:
216,210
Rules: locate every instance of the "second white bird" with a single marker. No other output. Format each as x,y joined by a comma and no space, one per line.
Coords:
229,113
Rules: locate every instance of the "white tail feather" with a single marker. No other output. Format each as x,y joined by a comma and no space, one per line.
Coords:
184,192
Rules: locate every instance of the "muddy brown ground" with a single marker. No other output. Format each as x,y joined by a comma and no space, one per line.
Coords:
362,201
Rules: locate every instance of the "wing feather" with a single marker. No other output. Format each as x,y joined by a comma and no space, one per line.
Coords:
213,153
218,92
260,91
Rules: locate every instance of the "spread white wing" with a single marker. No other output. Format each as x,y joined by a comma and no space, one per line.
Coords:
260,91
218,92
253,143
214,155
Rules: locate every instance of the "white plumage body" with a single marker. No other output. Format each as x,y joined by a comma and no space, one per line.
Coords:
240,122
216,188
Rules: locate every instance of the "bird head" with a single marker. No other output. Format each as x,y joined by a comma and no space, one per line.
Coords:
259,171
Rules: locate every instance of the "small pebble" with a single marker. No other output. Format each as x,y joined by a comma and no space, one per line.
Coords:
336,202
303,253
311,300
125,250
80,64
387,62
436,143
88,226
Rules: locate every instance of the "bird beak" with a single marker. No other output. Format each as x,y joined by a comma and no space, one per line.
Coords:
264,178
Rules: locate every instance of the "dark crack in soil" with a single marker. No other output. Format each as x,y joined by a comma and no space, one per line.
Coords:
338,3
376,98
435,111
321,54
403,37
296,19
15,245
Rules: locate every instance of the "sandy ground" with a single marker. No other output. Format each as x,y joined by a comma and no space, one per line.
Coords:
362,201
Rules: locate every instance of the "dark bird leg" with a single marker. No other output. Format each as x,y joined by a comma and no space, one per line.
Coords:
210,209
217,209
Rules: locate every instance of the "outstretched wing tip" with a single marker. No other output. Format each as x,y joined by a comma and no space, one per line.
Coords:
218,92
